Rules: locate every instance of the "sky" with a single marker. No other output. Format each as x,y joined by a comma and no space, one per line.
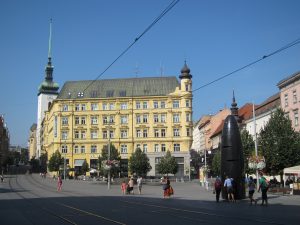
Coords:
215,37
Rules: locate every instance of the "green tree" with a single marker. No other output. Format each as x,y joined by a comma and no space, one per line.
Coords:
84,167
167,164
248,149
216,164
55,161
196,161
114,155
43,162
34,163
139,163
279,143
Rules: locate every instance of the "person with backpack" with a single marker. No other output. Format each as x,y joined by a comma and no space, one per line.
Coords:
218,188
263,186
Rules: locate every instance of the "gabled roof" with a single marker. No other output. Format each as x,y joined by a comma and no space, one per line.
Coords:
130,87
245,112
218,130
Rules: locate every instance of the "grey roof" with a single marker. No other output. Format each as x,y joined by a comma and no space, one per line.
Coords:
113,88
288,80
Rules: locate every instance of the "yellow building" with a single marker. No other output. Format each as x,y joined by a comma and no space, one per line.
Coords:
151,113
32,141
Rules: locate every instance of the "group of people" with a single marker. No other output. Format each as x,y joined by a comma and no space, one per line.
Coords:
128,188
230,187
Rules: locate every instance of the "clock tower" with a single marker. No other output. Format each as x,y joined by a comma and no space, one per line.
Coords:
47,92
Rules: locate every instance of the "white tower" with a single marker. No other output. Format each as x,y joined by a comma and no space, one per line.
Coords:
48,91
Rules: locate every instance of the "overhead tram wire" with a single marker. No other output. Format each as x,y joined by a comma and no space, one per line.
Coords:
289,45
163,13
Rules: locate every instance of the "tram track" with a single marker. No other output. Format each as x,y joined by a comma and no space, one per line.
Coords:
76,211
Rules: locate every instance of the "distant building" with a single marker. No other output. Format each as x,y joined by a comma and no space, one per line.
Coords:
4,142
289,95
32,141
151,113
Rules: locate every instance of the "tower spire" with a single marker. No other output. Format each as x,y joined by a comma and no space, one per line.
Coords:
234,108
50,41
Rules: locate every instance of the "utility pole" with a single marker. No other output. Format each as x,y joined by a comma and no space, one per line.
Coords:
108,149
255,142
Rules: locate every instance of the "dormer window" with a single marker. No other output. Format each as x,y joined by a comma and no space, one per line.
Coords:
80,94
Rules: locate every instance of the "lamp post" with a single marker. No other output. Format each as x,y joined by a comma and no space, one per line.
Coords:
108,159
65,167
255,142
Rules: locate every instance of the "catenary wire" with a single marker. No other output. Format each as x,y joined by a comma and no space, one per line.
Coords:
164,12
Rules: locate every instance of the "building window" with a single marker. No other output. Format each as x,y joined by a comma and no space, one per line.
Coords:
187,103
156,148
77,107
111,134
123,105
163,147
83,120
104,106
163,118
162,104
156,118
94,106
76,134
122,93
145,105
145,148
111,119
110,93
145,133
123,133
123,149
187,88
176,132
296,118
94,120
124,119
188,117
176,147
76,151
82,149
104,119
94,134
294,97
138,133
55,126
64,149
137,105
156,133
175,104
111,106
176,118
64,135
163,132
145,118
77,120
94,149
64,120
286,104
83,134
104,134
83,107
138,118
155,104
65,108
188,132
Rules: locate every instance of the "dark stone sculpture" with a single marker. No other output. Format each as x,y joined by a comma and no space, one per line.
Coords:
232,161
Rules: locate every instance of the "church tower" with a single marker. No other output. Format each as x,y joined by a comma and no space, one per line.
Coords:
185,78
47,92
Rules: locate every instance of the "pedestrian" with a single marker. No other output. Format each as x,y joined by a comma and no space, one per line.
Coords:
251,190
218,188
131,185
139,184
59,183
229,188
123,187
167,188
263,186
2,178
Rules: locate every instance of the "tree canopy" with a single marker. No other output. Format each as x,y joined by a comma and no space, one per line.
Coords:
216,164
279,143
84,167
139,163
114,155
167,164
248,149
55,161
